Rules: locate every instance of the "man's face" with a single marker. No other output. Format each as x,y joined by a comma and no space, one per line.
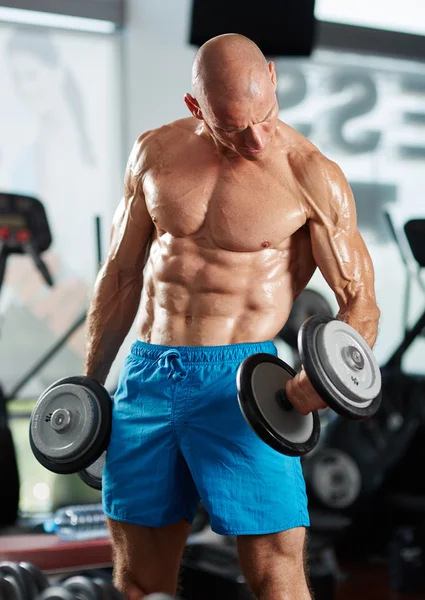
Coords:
244,126
244,120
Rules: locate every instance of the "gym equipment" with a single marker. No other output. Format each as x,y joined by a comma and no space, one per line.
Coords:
39,579
22,580
341,368
51,352
56,593
9,494
91,465
355,457
359,460
82,587
92,475
261,382
410,243
106,590
23,230
70,427
336,478
13,582
9,589
160,597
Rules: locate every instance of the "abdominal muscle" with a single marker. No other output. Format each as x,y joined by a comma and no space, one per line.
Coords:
197,294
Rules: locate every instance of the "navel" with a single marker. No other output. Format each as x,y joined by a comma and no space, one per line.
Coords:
265,244
189,319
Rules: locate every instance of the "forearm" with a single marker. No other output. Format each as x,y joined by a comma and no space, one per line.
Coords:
112,312
362,313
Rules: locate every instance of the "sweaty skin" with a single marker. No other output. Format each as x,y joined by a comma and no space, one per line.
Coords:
224,219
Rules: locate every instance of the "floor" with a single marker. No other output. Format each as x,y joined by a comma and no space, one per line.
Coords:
370,582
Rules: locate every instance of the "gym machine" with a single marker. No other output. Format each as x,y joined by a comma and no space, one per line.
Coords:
23,230
369,470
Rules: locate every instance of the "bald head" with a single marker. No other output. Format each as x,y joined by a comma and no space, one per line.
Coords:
235,95
229,66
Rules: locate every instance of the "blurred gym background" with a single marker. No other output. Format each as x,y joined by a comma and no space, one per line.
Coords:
79,82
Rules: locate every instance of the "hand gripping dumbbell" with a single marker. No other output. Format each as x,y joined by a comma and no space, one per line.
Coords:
70,428
340,366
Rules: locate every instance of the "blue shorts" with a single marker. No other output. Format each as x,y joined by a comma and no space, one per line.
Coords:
178,436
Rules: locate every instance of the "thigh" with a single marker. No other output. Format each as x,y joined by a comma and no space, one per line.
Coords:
146,480
274,565
246,486
147,559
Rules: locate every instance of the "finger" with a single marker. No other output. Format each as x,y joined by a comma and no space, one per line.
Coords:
297,396
316,401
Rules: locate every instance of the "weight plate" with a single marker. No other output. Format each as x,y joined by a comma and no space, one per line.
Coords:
99,397
31,590
18,582
335,479
260,378
82,587
38,577
341,367
107,590
92,476
308,304
159,596
56,592
65,422
10,590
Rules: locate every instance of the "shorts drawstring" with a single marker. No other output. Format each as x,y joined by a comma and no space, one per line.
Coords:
171,360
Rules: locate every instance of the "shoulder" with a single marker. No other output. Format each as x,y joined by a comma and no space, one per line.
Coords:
313,170
304,158
321,181
149,147
323,187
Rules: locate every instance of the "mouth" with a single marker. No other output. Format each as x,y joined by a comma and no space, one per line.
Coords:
251,151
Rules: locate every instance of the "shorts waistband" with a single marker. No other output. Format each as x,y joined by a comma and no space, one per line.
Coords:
203,354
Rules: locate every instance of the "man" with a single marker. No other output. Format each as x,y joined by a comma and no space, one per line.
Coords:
227,214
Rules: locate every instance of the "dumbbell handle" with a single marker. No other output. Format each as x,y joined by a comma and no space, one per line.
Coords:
283,400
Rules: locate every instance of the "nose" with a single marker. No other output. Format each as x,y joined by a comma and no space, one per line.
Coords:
256,138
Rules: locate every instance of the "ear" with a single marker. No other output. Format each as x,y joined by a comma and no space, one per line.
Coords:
272,72
193,106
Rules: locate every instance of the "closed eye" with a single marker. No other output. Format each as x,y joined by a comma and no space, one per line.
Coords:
233,130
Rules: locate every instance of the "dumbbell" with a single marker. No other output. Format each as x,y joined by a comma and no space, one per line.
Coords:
340,366
160,597
21,581
24,581
70,428
83,588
